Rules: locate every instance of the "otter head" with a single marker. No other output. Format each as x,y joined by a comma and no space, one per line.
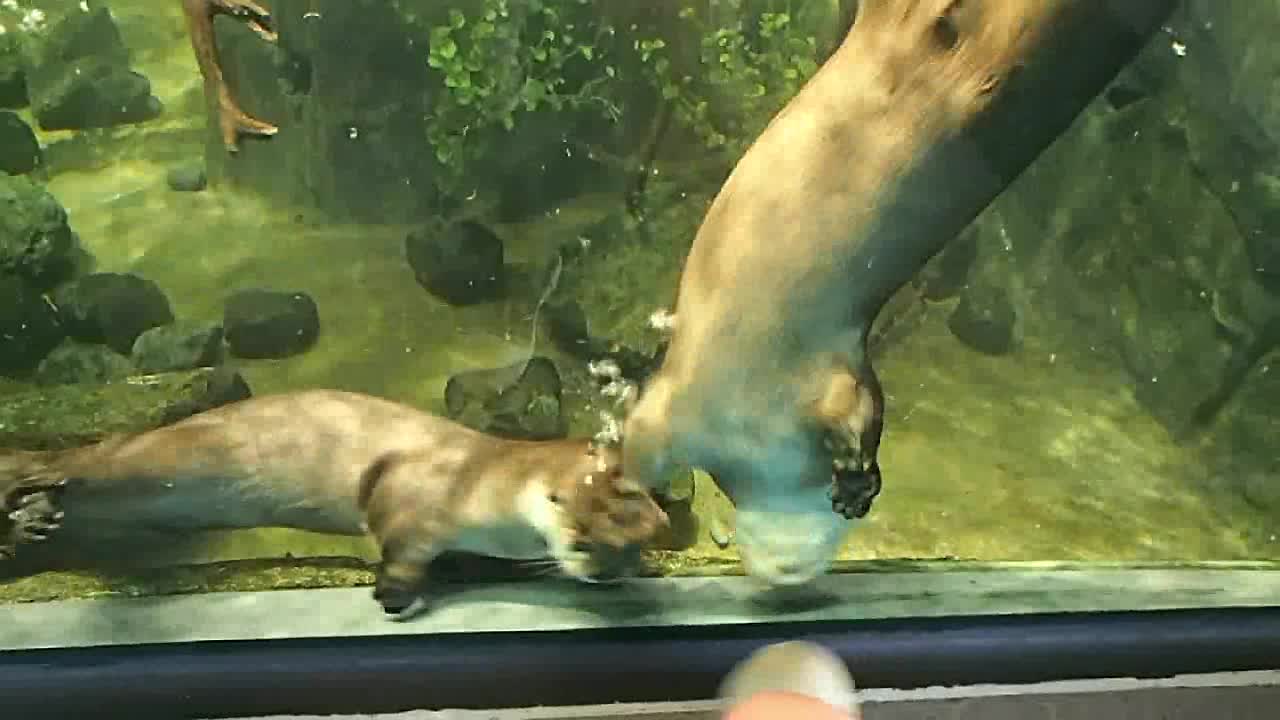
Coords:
810,471
602,519
786,531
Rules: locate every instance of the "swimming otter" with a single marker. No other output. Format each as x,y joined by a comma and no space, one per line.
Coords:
232,121
343,463
897,142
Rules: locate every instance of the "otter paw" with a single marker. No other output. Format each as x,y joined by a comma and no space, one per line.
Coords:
853,490
400,602
31,513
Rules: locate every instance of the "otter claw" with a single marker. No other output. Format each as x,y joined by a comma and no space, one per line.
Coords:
398,602
853,492
33,514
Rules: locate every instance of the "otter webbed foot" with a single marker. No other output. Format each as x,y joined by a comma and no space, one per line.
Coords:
851,411
854,490
401,599
234,122
31,513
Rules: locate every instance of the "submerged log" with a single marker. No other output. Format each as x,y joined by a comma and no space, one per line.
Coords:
66,416
927,111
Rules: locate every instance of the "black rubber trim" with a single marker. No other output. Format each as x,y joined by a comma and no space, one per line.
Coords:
485,671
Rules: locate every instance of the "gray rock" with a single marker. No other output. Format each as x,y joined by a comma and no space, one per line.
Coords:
112,309
460,263
181,345
75,362
94,94
187,178
1240,454
521,401
29,327
76,34
79,76
19,148
984,320
35,240
270,323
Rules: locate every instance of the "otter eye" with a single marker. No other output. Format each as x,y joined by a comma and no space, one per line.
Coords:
580,546
554,497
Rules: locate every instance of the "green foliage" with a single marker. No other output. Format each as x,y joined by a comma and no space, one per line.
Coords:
744,72
726,70
505,58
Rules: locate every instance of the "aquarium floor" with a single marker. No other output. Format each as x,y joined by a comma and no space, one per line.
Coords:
1039,455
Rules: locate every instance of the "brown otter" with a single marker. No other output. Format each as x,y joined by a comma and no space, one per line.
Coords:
343,463
915,123
232,121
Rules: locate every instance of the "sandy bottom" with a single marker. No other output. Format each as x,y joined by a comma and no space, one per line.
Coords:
1025,457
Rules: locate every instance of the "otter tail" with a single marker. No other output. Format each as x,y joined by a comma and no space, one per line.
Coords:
29,500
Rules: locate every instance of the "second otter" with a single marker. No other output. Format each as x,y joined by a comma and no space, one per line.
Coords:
343,463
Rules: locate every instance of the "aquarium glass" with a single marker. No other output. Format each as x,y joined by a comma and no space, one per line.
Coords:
479,209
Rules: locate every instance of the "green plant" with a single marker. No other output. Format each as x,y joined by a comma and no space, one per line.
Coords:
744,72
503,59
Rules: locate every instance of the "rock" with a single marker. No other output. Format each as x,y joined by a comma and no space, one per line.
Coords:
984,320
29,327
460,263
94,94
72,35
181,345
1239,451
36,242
270,323
79,76
63,416
187,178
19,148
112,308
347,89
13,79
75,362
521,401
1180,356
1233,92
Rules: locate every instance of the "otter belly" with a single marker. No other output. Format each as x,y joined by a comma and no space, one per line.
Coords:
510,540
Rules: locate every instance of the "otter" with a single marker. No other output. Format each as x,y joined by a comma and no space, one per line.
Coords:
232,120
344,463
926,111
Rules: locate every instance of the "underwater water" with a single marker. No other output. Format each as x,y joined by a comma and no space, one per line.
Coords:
1084,375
